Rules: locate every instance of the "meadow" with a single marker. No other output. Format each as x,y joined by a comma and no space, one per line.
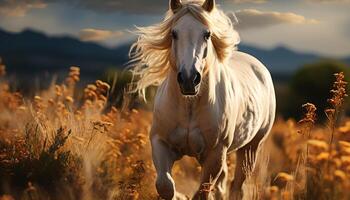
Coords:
72,143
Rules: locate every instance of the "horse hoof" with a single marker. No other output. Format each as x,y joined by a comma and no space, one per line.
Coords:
165,188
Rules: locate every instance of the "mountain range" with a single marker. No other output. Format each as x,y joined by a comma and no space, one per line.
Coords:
30,51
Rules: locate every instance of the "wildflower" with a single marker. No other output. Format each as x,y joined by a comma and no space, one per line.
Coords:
104,87
345,151
37,98
323,156
273,189
102,98
336,101
38,103
345,128
309,119
88,103
58,90
22,108
318,144
344,144
310,115
338,94
74,69
69,99
285,177
101,126
91,87
73,76
339,91
337,162
345,160
338,174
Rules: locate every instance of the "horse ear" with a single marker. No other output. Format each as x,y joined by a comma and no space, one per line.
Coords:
175,5
209,5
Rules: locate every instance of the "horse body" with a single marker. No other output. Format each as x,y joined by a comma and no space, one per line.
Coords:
257,102
244,107
233,119
211,98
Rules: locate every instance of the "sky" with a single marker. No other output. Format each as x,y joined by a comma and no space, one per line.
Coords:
314,26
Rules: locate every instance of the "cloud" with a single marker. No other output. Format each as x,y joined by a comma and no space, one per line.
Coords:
251,18
125,6
128,6
329,1
19,8
248,1
98,34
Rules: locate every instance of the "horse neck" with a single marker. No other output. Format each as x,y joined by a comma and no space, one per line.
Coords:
216,86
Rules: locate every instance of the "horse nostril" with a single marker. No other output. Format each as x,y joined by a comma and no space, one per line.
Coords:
197,79
180,80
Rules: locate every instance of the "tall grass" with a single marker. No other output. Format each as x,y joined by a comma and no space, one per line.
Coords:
73,144
61,144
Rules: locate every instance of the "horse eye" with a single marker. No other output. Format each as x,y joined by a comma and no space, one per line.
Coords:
207,35
174,35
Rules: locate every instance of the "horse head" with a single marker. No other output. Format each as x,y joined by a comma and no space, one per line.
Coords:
191,40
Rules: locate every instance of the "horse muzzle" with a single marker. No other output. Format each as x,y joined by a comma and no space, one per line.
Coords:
189,84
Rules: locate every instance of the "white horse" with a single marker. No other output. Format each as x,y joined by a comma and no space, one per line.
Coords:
211,100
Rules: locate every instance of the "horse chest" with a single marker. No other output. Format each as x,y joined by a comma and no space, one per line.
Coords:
193,133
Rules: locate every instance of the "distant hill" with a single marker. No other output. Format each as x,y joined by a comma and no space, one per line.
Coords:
31,51
280,60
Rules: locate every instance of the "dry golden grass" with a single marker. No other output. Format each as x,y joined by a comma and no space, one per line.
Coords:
61,145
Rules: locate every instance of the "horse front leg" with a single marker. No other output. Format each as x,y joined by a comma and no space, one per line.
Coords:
214,172
163,159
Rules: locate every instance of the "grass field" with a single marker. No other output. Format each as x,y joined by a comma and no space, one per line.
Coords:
70,144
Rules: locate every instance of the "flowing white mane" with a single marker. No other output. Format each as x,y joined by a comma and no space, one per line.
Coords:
151,57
